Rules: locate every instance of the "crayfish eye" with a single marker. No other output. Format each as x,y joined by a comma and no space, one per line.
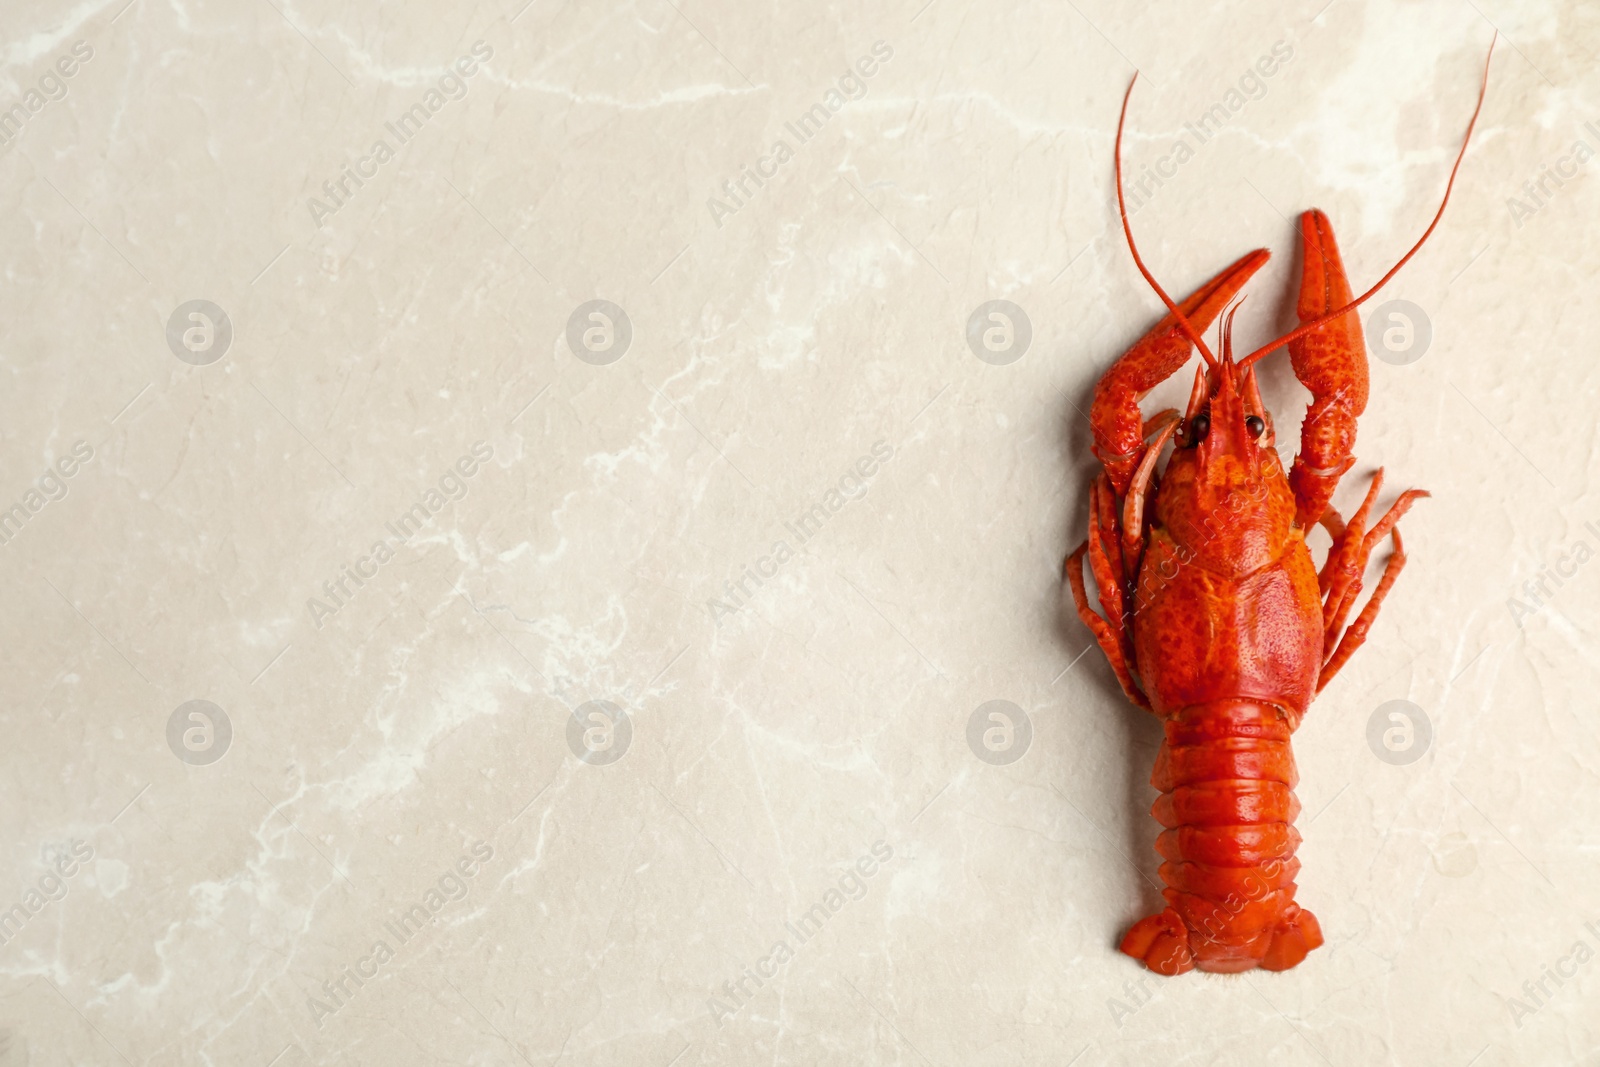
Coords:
1198,426
1256,425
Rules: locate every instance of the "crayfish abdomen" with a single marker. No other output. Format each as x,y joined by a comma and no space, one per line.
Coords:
1225,773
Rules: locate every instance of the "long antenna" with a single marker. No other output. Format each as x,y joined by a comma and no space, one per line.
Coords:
1319,322
1122,209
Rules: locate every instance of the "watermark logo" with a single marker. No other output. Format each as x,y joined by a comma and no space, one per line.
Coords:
850,885
199,732
1216,923
999,732
1399,732
47,489
1455,856
402,927
1138,996
1142,187
51,887
852,485
1163,567
452,485
599,332
999,333
599,733
740,190
1552,178
1399,332
1538,991
1561,570
451,86
199,332
51,87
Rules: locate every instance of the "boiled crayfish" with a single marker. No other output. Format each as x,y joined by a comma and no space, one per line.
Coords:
1216,619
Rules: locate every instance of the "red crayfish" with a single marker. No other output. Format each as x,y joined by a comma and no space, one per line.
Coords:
1216,619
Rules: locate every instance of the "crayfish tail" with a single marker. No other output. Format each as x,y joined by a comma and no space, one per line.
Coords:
1226,775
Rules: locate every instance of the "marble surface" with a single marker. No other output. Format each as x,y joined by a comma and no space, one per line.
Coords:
409,660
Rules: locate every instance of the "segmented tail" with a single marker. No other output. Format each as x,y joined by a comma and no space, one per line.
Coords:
1226,775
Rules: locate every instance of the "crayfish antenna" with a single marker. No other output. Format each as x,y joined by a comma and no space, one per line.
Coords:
1318,323
1127,231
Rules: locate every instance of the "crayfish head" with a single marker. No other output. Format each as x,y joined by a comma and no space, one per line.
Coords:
1224,489
1227,426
